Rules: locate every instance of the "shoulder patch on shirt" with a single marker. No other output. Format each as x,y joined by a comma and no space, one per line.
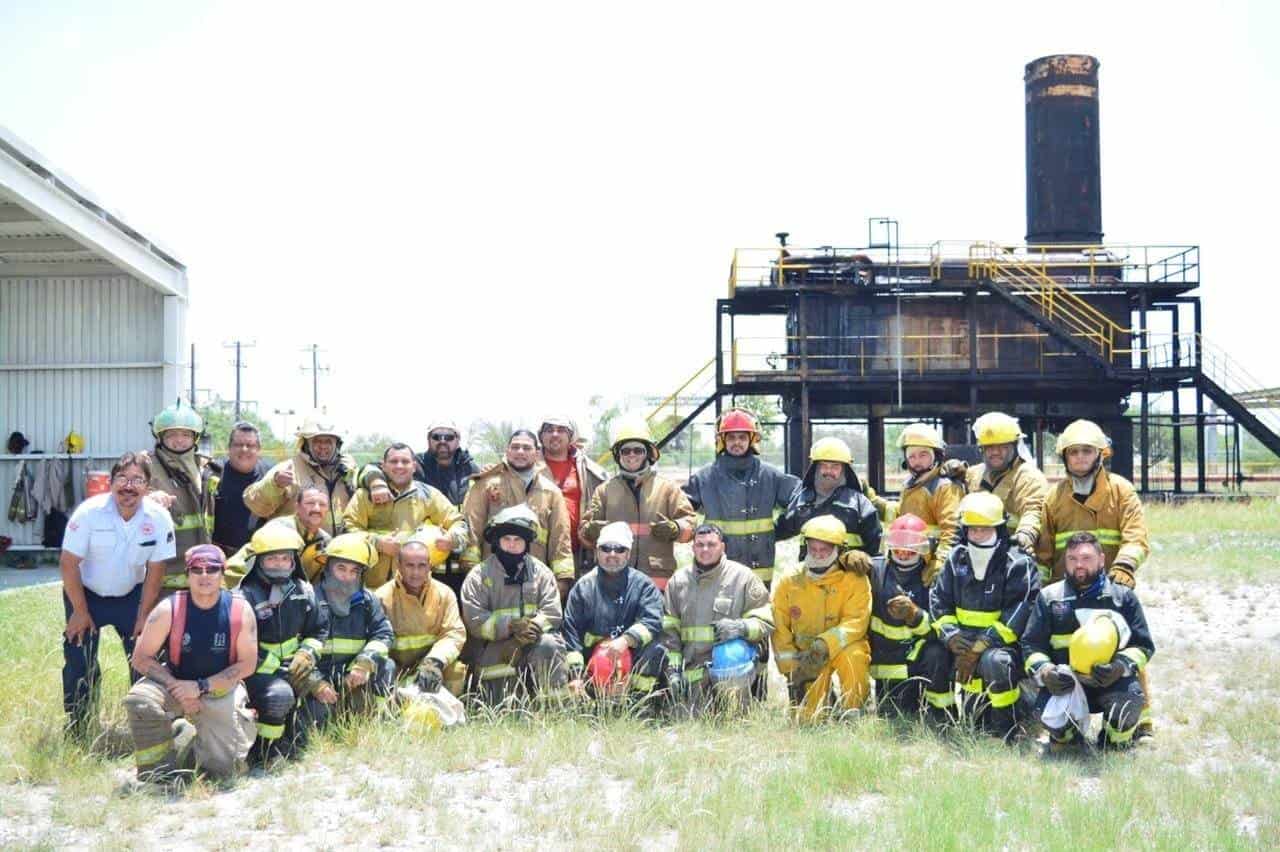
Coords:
72,525
148,528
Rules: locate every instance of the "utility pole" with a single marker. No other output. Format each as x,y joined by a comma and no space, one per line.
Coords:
193,376
285,414
239,364
315,370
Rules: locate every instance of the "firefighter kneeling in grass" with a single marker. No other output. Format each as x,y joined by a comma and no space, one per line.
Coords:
511,605
612,621
292,629
1085,644
980,604
911,667
717,617
820,615
355,664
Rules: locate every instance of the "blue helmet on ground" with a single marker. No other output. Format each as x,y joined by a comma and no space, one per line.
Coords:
733,659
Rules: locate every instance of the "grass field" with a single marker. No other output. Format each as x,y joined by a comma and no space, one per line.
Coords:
1212,590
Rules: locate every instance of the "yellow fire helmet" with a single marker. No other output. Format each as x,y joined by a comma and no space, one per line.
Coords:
1096,642
920,435
274,537
981,509
354,547
74,442
1084,433
830,450
995,428
633,427
826,528
426,536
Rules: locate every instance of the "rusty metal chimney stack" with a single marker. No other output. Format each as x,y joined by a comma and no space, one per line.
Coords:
1064,192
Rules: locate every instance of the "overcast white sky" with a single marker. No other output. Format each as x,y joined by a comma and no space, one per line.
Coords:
500,209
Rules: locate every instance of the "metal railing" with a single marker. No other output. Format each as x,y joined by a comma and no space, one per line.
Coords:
870,354
1070,265
667,412
1003,265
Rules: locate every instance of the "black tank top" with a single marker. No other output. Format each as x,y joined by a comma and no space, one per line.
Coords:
206,641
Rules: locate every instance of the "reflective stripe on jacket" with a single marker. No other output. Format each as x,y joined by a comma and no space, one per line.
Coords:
314,544
192,510
266,499
996,607
743,507
638,505
297,621
834,608
894,643
1053,620
1112,512
409,509
426,625
603,607
364,631
695,599
1022,488
554,544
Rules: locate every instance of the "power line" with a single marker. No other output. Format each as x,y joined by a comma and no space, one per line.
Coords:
239,364
315,370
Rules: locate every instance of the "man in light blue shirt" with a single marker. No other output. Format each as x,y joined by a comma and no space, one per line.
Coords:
113,563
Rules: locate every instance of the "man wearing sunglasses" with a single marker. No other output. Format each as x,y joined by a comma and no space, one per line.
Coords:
445,465
615,613
113,564
653,507
210,638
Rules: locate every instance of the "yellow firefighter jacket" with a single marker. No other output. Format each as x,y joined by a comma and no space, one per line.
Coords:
1022,488
498,487
409,509
1112,512
266,499
238,562
835,608
426,625
934,499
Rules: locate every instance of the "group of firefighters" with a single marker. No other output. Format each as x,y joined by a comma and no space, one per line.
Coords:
379,588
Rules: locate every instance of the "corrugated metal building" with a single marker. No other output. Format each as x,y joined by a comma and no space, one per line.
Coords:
92,324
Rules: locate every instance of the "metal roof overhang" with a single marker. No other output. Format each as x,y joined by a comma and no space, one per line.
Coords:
50,226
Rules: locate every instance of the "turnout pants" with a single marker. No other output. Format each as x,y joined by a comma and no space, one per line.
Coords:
991,695
1120,704
224,731
374,694
502,669
279,729
850,669
922,683
81,675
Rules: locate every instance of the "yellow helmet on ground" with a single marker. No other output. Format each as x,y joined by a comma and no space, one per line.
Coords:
271,538
1083,433
1094,643
354,547
426,536
826,528
981,509
830,450
633,427
996,428
920,435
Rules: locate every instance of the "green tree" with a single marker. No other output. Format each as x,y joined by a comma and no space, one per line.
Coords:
487,439
219,417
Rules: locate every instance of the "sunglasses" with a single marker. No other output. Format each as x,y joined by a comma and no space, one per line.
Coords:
614,548
442,437
204,569
633,451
